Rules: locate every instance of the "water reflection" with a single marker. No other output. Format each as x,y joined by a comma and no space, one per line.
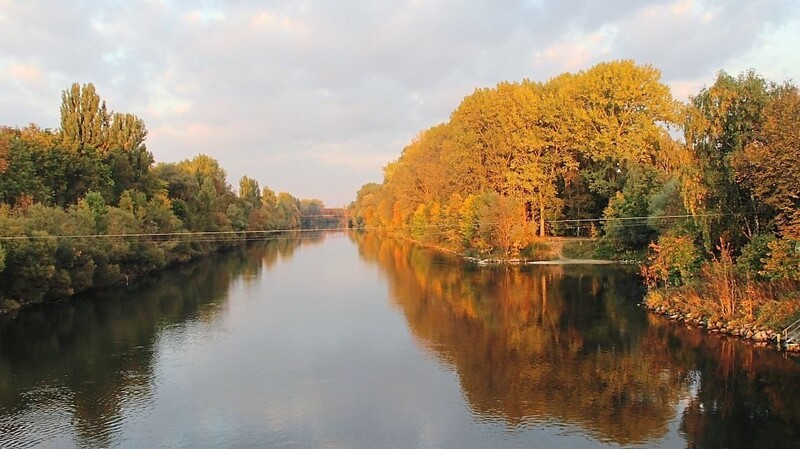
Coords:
81,367
745,397
563,344
271,346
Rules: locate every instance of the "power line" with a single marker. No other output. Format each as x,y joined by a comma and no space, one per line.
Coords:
200,236
153,235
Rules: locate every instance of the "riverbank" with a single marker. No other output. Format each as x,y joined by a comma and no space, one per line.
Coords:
198,253
12,305
751,332
757,312
559,252
762,310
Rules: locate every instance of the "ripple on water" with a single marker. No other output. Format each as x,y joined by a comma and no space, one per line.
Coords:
42,420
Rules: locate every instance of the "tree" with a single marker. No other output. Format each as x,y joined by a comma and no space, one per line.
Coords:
364,210
203,166
720,122
287,211
672,261
770,164
619,109
506,138
127,155
21,179
249,192
419,176
4,146
84,119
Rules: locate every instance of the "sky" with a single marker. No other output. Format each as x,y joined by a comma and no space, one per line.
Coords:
315,97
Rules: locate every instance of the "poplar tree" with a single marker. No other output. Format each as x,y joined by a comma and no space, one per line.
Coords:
84,118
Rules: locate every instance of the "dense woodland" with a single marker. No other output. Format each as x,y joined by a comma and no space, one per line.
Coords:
707,191
85,206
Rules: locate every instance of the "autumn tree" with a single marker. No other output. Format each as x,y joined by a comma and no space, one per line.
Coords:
769,165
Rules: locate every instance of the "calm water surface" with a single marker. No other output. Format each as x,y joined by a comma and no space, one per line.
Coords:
352,341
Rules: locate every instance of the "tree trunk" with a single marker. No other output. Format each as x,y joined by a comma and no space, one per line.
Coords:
541,215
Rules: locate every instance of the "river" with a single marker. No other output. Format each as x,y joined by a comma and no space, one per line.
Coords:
356,341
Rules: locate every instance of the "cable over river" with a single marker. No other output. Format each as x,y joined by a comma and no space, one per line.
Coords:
355,341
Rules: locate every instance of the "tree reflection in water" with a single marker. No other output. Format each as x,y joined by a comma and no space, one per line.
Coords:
567,344
94,357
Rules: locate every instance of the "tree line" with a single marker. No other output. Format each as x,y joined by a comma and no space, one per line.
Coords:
694,188
85,205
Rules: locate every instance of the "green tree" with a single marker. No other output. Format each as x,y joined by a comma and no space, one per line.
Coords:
287,212
626,227
127,154
249,192
21,179
720,122
4,147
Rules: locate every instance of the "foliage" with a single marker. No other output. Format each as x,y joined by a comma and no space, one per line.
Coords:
547,151
672,261
769,166
753,256
719,210
83,207
581,249
783,262
625,227
720,123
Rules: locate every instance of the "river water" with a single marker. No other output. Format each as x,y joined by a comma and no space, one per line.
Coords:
354,341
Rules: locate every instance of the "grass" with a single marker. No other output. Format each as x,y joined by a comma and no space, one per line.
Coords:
579,249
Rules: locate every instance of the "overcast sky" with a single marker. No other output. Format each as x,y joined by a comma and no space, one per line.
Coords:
314,97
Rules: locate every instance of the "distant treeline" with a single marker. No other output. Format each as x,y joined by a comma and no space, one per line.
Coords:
597,153
85,206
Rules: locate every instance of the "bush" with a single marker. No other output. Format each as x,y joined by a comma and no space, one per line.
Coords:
581,249
783,262
671,261
754,254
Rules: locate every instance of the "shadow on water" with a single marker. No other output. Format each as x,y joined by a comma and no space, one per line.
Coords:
568,344
94,356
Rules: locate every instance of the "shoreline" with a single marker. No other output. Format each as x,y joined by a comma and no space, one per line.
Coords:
751,333
754,334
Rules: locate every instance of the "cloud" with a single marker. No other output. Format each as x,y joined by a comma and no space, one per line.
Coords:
341,87
343,155
26,74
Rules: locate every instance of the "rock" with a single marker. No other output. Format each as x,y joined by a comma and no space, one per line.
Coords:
760,336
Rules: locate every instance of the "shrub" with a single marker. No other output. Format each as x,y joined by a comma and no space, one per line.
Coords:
671,261
754,254
783,262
